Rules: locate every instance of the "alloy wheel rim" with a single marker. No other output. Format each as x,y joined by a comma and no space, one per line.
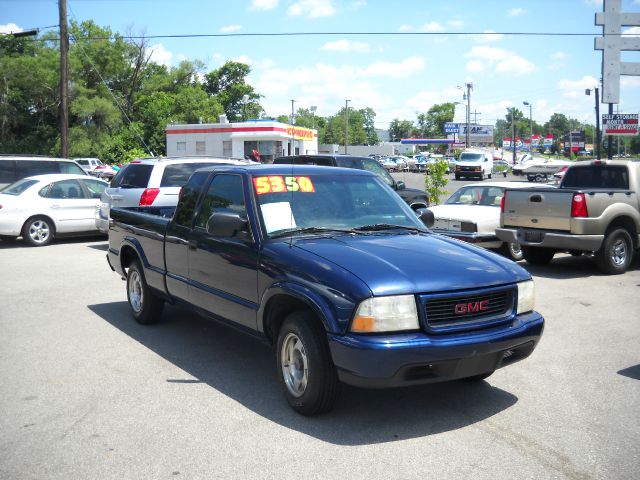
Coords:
619,252
135,291
295,365
39,231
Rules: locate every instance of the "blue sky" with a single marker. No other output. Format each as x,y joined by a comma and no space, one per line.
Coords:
396,75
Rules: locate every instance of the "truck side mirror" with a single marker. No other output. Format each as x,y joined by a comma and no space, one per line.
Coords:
228,224
426,216
400,185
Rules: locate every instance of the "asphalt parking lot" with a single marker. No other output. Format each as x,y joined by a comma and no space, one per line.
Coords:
88,393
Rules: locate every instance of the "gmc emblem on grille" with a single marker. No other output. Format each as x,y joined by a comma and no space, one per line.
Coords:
462,308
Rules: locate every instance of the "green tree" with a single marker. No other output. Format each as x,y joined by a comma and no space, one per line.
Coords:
228,84
399,129
435,182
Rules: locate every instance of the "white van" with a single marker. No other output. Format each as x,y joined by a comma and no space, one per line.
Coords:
474,164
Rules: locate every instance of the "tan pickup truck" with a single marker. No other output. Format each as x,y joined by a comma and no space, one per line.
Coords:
595,210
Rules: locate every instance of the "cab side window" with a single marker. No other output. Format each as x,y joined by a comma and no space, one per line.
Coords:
189,198
225,194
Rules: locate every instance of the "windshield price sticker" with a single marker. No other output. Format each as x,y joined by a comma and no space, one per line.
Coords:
278,184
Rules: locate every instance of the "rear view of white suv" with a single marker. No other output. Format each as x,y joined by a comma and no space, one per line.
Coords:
152,182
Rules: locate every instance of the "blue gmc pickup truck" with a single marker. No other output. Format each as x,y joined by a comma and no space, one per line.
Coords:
334,270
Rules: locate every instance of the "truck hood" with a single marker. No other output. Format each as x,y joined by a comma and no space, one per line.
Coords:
403,263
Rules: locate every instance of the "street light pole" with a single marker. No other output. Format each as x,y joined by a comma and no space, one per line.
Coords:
530,127
469,86
598,140
64,81
346,125
513,134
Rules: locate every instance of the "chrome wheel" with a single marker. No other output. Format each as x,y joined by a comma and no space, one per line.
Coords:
136,295
39,231
515,251
619,252
295,365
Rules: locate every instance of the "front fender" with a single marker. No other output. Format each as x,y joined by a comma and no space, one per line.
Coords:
324,310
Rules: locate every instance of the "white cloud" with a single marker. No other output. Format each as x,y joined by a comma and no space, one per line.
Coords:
243,59
484,57
475,66
10,28
516,12
406,68
633,82
230,28
631,32
489,37
594,3
432,27
576,88
405,28
455,23
559,56
160,55
263,4
346,46
312,8
515,65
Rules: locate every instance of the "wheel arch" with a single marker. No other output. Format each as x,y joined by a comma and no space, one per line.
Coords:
52,222
282,300
626,223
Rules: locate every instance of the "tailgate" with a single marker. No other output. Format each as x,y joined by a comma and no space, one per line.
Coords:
548,209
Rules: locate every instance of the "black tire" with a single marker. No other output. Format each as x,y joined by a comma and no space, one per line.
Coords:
457,177
305,370
490,176
146,307
531,178
537,255
512,251
614,257
478,378
38,231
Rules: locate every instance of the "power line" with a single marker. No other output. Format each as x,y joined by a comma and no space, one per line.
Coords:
312,34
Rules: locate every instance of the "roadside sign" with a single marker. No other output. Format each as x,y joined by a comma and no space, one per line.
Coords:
621,124
450,127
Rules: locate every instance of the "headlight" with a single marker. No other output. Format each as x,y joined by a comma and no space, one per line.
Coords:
386,314
526,296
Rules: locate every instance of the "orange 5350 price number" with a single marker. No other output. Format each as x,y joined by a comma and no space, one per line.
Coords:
278,184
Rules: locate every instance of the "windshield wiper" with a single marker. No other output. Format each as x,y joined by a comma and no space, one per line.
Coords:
295,231
385,226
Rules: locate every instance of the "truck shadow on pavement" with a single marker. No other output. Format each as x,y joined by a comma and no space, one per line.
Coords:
566,267
631,372
244,369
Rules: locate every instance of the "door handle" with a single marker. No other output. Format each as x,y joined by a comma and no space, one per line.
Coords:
192,245
55,206
535,198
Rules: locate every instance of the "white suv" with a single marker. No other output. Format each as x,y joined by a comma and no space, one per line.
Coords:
474,163
89,164
152,182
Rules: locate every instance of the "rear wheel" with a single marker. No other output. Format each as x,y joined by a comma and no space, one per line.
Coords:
305,370
512,251
38,231
145,306
457,176
614,256
537,255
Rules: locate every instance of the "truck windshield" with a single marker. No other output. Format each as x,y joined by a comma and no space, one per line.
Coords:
470,157
336,203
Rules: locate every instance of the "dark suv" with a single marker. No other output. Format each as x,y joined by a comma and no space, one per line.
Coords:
415,198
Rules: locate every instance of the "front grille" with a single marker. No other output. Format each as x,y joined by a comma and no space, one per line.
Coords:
470,308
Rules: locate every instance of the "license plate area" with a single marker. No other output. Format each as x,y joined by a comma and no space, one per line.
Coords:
533,236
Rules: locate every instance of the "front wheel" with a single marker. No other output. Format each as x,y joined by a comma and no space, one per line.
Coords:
614,256
38,231
306,372
537,255
145,306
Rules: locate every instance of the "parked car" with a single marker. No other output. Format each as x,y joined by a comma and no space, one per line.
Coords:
89,165
44,207
500,166
474,163
152,182
415,198
472,214
334,271
15,167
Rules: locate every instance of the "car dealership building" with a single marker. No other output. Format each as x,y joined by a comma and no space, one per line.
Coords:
241,139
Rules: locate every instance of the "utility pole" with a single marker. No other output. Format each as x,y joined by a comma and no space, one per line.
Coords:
64,80
530,127
293,130
346,125
475,116
513,134
467,96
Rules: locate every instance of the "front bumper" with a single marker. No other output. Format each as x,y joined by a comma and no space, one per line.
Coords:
381,361
550,239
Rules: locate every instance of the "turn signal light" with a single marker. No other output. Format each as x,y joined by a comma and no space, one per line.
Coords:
502,201
579,206
148,196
